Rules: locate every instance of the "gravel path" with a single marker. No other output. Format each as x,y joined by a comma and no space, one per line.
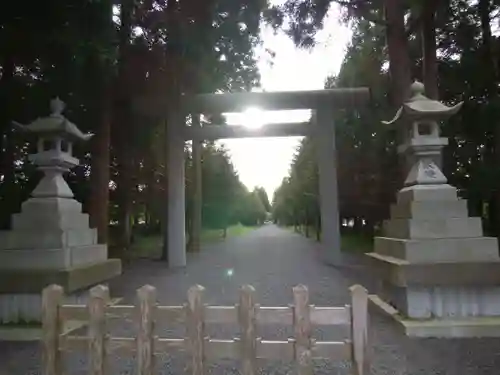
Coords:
273,261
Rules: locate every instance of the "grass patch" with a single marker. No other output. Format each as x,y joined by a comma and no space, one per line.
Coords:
22,324
355,243
216,235
151,246
147,247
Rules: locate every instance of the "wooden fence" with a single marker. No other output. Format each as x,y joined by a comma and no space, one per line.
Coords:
194,314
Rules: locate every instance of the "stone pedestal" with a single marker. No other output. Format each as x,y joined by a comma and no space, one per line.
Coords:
50,241
439,276
434,263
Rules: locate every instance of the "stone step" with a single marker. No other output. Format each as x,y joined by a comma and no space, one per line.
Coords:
439,250
433,228
451,301
402,273
470,327
50,220
427,193
46,239
52,258
429,209
34,205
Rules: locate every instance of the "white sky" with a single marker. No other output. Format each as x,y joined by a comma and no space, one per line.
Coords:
266,161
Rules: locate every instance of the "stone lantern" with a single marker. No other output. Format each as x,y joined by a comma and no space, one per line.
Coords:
54,156
50,241
422,143
439,276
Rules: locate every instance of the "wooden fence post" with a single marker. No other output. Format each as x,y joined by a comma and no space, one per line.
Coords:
146,306
99,299
359,329
302,328
51,330
195,324
246,317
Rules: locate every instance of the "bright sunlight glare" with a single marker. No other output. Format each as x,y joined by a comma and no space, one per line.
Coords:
255,118
252,118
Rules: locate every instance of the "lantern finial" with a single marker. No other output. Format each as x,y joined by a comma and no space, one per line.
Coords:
417,88
57,106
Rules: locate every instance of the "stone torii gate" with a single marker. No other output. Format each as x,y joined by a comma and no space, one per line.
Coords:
323,104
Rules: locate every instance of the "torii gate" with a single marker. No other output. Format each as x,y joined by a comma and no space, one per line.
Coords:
323,103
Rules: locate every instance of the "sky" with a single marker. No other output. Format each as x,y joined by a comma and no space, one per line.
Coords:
266,161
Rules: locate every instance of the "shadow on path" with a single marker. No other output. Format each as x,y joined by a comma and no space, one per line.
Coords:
274,260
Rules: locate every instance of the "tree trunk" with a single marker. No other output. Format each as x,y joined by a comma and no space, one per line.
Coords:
100,93
399,67
123,129
398,49
196,193
99,177
125,196
164,215
429,53
318,226
7,145
489,61
151,211
174,89
430,64
357,224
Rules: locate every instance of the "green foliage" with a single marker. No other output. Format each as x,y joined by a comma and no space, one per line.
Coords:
226,201
367,149
263,198
74,50
150,246
221,188
302,19
296,200
252,210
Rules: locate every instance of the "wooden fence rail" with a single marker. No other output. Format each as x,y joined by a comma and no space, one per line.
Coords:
194,315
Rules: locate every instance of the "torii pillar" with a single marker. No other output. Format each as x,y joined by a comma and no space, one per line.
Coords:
324,134
175,240
322,102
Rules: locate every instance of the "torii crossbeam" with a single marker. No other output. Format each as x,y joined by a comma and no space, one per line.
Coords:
323,104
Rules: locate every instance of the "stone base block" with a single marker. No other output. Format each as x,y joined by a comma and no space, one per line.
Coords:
476,249
426,210
50,205
50,221
434,228
20,290
439,328
420,193
402,273
71,279
420,302
27,308
52,258
47,239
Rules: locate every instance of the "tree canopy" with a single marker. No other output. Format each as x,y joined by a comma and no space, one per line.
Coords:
99,56
466,63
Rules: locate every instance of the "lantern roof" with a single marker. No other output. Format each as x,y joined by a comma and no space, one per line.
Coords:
420,107
55,124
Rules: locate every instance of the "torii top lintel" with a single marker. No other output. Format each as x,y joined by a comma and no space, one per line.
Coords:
337,98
